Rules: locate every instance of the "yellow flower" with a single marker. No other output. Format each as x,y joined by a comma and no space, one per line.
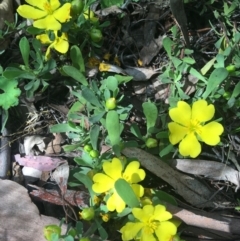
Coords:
151,225
113,172
104,67
188,127
105,217
59,43
47,13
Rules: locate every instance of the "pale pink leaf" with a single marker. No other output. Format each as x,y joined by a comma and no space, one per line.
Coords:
42,163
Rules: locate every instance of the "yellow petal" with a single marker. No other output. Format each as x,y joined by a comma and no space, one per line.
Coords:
165,231
102,183
211,132
63,13
113,169
177,132
201,111
190,146
61,45
143,214
27,11
55,4
48,23
44,38
138,190
181,114
146,235
48,53
115,202
161,214
130,230
39,3
133,174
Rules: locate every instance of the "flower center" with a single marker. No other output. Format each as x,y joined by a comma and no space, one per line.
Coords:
151,226
126,177
194,126
47,7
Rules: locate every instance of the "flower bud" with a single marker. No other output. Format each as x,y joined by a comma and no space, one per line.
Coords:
51,229
94,153
87,214
111,103
87,148
231,68
151,142
84,239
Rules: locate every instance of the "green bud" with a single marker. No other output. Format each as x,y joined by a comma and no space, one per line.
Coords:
84,239
231,68
87,148
77,7
87,214
94,153
51,229
151,142
111,103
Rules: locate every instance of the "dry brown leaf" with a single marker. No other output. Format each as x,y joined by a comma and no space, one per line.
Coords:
60,176
54,146
193,191
33,141
209,169
111,10
140,74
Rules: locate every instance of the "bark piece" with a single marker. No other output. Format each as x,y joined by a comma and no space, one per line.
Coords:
19,217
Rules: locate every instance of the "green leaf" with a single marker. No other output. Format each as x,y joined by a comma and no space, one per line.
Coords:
86,180
25,50
97,117
85,160
109,3
165,151
61,128
167,44
90,97
113,127
195,73
94,134
136,131
215,79
151,112
69,148
188,60
236,90
127,194
163,196
12,73
77,58
103,233
112,83
75,74
208,66
34,31
10,94
123,79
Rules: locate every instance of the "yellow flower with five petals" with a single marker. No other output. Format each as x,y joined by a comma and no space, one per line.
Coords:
151,225
113,172
60,44
47,13
188,127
